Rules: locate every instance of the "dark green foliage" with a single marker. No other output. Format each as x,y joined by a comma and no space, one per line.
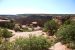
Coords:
50,26
66,34
6,33
10,24
68,22
0,32
65,18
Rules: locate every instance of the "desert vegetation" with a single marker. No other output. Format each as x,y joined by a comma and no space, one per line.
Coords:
50,27
63,32
31,43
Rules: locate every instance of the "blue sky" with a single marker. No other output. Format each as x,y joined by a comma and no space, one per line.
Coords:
37,6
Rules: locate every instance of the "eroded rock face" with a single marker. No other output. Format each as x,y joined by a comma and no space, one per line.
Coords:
59,46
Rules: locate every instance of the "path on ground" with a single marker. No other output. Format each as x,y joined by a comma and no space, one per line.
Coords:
25,34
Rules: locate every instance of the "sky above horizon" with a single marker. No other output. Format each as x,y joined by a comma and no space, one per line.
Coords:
37,6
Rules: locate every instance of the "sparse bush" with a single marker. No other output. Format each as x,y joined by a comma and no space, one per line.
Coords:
17,28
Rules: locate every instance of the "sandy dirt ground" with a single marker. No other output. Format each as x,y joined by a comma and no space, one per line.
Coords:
25,34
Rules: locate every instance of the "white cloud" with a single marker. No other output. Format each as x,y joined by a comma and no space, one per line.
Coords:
21,11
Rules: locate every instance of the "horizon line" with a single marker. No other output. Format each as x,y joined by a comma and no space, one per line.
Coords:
37,13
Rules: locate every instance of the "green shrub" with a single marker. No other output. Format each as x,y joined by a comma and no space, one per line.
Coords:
68,22
32,43
50,26
66,34
6,33
9,25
